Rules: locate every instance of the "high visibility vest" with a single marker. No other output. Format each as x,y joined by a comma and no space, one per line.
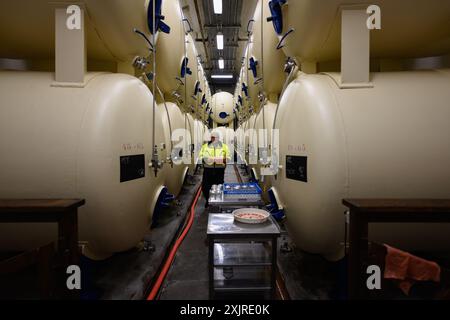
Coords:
210,151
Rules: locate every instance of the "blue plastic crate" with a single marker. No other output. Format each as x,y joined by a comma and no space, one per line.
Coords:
241,188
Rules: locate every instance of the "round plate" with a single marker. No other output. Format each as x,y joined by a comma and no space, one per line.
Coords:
251,215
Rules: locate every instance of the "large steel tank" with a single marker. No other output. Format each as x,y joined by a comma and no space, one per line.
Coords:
173,124
109,29
222,107
190,77
410,28
198,139
389,141
251,141
190,127
170,50
269,62
267,71
264,130
93,142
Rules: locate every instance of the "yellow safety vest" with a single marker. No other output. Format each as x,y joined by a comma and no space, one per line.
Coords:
209,151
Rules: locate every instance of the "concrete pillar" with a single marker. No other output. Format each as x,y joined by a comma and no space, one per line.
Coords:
70,45
355,49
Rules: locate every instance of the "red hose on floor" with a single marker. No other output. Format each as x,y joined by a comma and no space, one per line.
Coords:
174,250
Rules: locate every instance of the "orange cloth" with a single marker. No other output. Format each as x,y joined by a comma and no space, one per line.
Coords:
408,269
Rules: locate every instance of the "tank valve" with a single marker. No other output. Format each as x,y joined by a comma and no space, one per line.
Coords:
169,161
155,163
261,97
289,65
140,63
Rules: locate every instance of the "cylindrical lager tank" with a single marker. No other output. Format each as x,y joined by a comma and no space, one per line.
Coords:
93,143
109,29
173,122
237,93
199,133
190,146
251,141
170,49
240,144
263,128
222,107
244,141
268,65
389,141
188,90
253,84
270,61
247,89
410,28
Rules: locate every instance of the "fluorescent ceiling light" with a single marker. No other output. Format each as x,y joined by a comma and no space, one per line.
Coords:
222,76
218,6
220,41
221,63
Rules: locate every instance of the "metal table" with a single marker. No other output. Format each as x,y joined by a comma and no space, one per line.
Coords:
221,203
242,257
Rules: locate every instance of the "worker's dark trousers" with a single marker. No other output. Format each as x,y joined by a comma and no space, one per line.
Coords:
211,176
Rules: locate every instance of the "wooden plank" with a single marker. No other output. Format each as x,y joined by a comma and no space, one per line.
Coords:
39,205
399,205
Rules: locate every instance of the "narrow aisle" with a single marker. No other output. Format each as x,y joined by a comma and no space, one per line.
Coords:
188,275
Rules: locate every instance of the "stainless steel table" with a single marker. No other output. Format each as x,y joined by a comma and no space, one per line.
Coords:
222,203
242,257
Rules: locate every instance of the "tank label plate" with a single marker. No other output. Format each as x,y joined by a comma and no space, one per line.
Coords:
296,168
132,167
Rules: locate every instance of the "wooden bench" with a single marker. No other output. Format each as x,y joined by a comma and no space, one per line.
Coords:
365,211
61,211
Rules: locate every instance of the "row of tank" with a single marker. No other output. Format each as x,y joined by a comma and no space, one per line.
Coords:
107,141
386,139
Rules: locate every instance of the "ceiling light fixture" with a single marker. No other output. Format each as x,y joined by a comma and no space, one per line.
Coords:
222,76
218,6
220,41
221,63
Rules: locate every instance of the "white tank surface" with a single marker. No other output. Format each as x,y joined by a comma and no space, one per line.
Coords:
410,28
250,141
247,88
266,63
263,127
189,125
170,49
199,133
109,29
390,141
251,82
176,172
93,143
222,107
240,144
189,95
237,93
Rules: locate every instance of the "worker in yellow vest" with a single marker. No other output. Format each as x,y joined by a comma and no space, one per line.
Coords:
214,155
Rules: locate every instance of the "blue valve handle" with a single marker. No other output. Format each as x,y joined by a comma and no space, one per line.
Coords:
253,64
276,15
160,25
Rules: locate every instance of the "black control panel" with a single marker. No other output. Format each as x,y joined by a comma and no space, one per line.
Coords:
297,168
132,167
